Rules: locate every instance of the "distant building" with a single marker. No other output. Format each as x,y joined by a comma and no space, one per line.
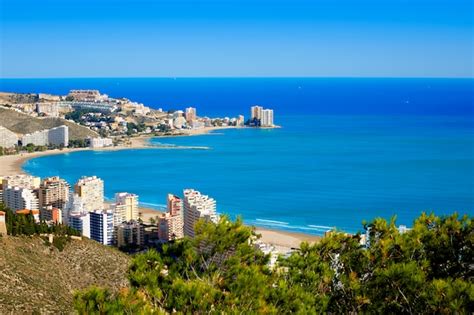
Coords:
240,120
81,222
126,207
100,142
48,109
102,226
256,112
75,204
130,233
179,122
170,223
190,114
53,193
3,226
91,190
267,118
8,138
197,206
87,95
54,136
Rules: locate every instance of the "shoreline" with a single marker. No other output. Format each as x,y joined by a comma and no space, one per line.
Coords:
282,240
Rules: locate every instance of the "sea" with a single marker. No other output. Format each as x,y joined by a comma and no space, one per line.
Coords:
348,150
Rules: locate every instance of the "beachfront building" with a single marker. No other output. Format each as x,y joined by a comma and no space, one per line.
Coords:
197,206
19,198
81,222
54,136
267,118
21,180
48,109
75,204
240,120
190,114
170,223
91,190
53,193
102,226
100,142
256,112
126,207
179,122
130,233
8,138
3,225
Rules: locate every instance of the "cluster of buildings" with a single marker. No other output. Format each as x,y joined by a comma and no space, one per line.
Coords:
57,136
261,117
82,207
183,213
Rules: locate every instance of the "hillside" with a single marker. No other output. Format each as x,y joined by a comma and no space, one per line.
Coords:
22,123
38,278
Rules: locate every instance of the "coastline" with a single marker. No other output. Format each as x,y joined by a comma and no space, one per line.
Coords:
281,240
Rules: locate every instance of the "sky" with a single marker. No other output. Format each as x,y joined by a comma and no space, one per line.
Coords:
230,38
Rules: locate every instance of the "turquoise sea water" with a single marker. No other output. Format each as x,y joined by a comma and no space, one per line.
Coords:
317,171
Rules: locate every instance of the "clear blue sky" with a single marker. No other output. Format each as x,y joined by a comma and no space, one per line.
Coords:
174,38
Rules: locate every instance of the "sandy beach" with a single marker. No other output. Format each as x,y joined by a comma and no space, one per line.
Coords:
12,164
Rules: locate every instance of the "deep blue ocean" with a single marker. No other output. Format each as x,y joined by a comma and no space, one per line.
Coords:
349,150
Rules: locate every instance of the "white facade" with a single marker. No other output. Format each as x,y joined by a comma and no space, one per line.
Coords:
100,142
126,207
91,190
17,198
54,136
256,112
49,109
75,204
21,180
80,222
8,138
102,226
197,206
267,118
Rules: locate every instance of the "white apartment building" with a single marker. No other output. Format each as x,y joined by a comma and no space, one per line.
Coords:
267,118
8,138
125,207
75,204
100,142
81,222
102,226
190,114
49,109
91,190
54,136
256,112
197,206
18,198
21,180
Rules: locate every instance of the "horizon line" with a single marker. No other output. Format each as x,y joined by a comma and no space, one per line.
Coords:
239,77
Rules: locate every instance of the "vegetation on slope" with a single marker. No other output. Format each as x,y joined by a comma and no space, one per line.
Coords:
38,278
23,124
425,270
